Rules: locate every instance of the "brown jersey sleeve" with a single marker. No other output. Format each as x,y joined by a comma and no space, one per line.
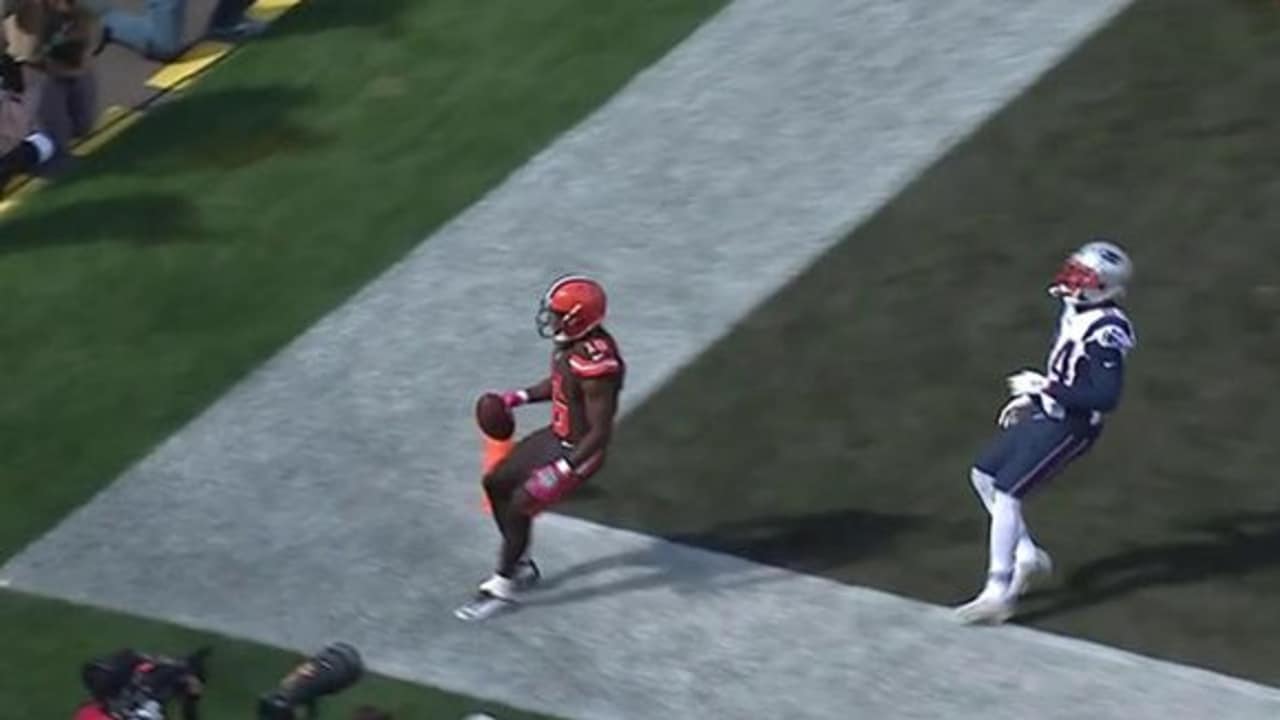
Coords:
595,357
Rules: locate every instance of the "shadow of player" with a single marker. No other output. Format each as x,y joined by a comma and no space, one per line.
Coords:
764,549
1235,545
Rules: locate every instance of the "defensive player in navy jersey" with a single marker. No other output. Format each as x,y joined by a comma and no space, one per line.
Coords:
1051,419
582,385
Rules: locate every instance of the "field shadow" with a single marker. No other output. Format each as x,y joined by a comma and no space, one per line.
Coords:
317,16
142,219
804,544
812,543
1231,545
221,130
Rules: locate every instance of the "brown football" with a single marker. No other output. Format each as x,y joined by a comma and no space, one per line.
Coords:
494,418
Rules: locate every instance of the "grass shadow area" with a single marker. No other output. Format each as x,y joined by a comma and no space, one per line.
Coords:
1230,548
812,543
223,130
874,378
143,218
316,16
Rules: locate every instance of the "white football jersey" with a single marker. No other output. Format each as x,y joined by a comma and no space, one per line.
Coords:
1107,326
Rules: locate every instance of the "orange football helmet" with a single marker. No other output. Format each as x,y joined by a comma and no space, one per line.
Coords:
573,306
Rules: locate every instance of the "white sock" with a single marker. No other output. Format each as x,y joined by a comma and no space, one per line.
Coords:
985,486
1026,551
499,586
1006,522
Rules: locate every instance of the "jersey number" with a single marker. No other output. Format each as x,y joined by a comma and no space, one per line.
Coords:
1062,361
559,407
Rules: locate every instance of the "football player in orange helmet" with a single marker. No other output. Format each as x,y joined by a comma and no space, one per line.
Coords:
583,384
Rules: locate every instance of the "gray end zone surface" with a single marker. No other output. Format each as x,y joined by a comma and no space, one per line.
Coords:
334,493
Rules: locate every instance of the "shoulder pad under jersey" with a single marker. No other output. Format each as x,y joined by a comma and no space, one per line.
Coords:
594,357
1113,330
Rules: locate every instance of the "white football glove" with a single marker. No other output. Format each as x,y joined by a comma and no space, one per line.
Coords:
1027,382
1015,410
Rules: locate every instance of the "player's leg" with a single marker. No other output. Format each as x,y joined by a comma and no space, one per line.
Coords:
535,451
1044,452
1040,448
994,456
503,485
998,453
533,497
982,476
1030,560
501,482
515,544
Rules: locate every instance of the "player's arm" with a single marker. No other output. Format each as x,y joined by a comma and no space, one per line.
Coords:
601,405
1099,381
539,392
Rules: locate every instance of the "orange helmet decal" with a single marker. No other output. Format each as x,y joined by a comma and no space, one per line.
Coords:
573,306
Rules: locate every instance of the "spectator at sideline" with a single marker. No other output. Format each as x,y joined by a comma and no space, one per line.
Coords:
157,32
59,38
22,149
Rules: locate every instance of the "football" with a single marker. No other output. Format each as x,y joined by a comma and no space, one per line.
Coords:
494,418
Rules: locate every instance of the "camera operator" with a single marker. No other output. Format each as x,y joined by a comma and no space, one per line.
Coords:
22,149
333,669
129,685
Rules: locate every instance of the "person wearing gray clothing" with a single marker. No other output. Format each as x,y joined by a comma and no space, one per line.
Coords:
157,32
57,40
22,147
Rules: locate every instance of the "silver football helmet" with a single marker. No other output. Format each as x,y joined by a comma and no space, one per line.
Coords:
1099,271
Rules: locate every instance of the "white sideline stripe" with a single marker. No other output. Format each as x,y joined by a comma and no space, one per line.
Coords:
331,494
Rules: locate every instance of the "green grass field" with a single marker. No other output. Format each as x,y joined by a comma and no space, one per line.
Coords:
184,254
832,431
139,289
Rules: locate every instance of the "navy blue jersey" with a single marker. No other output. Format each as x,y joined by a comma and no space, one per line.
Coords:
1087,362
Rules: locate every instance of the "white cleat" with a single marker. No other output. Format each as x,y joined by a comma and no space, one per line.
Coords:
1027,575
987,609
496,595
482,607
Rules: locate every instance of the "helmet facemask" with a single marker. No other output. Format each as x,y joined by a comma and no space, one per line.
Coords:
1076,283
546,320
555,325
1090,276
570,309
